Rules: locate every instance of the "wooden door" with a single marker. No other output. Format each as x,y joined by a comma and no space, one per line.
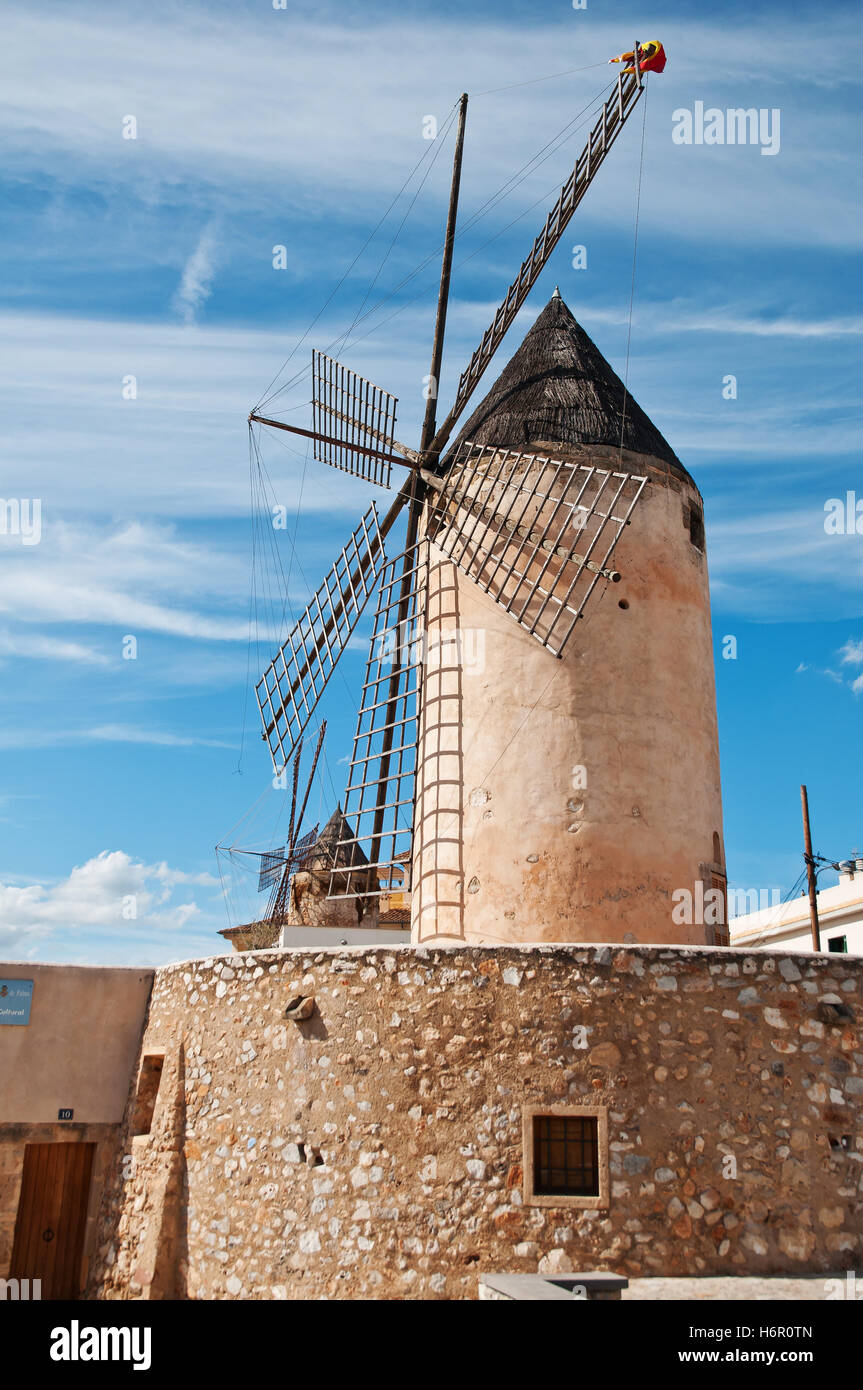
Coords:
52,1215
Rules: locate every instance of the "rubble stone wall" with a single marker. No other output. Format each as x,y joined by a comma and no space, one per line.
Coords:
375,1150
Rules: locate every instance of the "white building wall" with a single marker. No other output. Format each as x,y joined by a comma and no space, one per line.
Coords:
840,913
323,937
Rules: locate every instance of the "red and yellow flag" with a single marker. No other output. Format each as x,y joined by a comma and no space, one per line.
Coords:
653,57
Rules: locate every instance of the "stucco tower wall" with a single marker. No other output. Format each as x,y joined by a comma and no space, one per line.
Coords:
511,844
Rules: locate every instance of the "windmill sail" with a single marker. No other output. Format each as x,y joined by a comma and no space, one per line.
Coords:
292,684
302,850
271,865
380,794
603,134
535,533
353,420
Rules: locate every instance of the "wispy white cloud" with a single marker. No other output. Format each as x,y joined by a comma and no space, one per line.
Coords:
135,578
775,563
219,131
198,274
111,895
183,441
180,447
851,654
39,737
658,317
22,645
129,733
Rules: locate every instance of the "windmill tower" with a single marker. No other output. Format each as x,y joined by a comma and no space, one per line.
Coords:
566,797
566,788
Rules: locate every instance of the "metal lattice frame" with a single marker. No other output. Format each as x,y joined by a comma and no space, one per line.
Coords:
379,798
271,866
303,851
614,114
294,681
355,412
534,533
296,858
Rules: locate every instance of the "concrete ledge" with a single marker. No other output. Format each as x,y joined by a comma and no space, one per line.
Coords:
542,1288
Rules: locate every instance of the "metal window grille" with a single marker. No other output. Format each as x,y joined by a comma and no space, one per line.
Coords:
566,1155
354,412
534,532
379,799
292,684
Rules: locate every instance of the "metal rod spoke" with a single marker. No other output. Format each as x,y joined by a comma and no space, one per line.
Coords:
525,528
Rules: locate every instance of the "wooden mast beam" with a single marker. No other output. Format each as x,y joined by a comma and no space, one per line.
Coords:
411,462
416,486
603,134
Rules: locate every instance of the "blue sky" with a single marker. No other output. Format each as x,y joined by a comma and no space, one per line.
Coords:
152,258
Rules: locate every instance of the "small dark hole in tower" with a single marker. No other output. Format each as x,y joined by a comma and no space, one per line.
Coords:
842,1141
623,603
696,526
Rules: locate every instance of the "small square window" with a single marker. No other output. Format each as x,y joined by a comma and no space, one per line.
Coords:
837,943
566,1156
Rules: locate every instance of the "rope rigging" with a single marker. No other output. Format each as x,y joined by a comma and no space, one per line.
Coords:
266,396
540,157
532,80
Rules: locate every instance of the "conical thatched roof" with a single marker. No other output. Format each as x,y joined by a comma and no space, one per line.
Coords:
558,388
331,844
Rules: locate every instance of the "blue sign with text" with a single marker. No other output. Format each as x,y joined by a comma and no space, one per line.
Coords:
15,996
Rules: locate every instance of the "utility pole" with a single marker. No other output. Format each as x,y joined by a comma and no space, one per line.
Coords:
810,872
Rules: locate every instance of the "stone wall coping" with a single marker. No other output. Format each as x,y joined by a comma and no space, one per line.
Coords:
601,952
423,950
26,967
